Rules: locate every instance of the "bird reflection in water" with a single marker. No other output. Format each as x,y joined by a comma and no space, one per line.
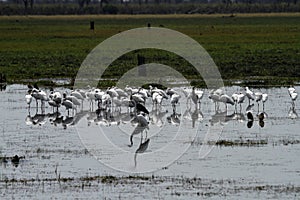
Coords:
292,113
138,130
37,119
54,119
193,116
142,148
106,117
57,120
174,119
220,118
157,115
142,125
250,119
68,121
261,117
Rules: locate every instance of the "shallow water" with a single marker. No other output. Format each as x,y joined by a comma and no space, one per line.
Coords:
257,162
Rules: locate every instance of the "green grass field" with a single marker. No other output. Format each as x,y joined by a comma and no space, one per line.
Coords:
244,47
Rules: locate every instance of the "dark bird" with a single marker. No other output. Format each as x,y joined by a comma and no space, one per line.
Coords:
250,116
141,108
16,160
137,130
261,116
250,119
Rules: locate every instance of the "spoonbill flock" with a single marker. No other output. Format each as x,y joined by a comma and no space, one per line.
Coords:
135,98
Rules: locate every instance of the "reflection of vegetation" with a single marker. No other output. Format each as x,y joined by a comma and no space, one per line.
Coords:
243,47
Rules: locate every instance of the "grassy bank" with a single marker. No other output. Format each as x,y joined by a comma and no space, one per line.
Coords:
244,46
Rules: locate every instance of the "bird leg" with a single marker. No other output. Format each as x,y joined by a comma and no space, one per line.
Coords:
131,141
92,105
37,109
135,162
293,104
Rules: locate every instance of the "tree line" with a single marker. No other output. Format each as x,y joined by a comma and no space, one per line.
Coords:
53,7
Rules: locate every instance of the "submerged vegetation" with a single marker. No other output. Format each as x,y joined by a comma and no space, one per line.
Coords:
249,142
246,47
167,185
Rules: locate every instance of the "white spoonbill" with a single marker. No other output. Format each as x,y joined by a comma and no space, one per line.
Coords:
170,91
240,99
121,93
196,96
258,98
174,100
187,93
160,91
234,97
112,92
39,95
69,105
293,94
55,99
264,99
28,98
215,97
78,95
291,90
249,94
157,98
226,100
73,99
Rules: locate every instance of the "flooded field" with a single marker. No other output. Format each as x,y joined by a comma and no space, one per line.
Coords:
247,160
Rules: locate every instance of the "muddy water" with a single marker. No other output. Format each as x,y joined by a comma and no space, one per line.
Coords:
258,162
